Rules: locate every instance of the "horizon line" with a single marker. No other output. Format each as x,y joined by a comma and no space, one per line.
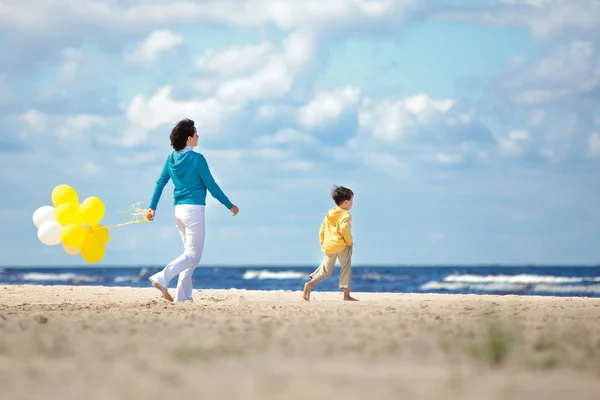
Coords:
472,265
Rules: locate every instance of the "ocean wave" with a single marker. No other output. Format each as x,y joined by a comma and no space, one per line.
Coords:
385,278
67,276
121,279
544,288
523,278
482,287
265,274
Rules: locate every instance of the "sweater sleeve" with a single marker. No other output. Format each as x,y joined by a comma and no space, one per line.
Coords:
160,185
346,228
209,181
322,232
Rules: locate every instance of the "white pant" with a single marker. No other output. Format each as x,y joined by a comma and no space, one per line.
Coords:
190,220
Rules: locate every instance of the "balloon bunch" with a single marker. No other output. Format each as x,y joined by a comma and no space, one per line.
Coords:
76,225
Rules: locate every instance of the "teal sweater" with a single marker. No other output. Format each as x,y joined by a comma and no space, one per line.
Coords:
191,178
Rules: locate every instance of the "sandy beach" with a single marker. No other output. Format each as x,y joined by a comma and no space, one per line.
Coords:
75,342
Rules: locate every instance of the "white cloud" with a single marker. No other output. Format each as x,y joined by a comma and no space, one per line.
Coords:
391,121
386,163
547,153
4,90
158,42
537,117
327,106
570,70
124,16
275,78
233,60
298,165
284,136
63,127
545,18
89,168
387,121
73,126
425,108
72,60
448,159
514,143
594,145
35,119
146,114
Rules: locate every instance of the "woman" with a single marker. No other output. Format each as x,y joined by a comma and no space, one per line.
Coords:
191,178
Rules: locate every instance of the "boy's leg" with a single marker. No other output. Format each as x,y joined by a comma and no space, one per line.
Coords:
345,257
323,272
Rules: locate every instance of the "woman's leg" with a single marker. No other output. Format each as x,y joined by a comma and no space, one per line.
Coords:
195,226
188,221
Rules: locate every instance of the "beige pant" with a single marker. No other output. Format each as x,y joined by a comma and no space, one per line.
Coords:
326,268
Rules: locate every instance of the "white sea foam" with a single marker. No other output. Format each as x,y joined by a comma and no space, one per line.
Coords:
120,279
482,287
523,278
385,278
265,274
67,276
544,288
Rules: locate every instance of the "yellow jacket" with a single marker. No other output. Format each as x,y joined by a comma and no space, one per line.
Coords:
335,233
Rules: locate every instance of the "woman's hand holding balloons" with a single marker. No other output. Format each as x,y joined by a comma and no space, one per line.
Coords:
150,214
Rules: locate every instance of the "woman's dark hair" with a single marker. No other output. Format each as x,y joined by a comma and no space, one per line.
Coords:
339,194
181,132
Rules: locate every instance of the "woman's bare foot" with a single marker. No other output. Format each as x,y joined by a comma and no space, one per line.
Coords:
164,291
349,298
307,289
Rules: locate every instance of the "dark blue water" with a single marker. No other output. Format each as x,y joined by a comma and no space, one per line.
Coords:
539,280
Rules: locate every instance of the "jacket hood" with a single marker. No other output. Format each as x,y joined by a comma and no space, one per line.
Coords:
335,214
180,162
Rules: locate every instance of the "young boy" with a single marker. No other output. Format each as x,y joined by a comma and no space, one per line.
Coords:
336,242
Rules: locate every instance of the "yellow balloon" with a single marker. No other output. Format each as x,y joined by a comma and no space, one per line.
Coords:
64,194
92,210
100,233
72,251
68,213
73,235
92,250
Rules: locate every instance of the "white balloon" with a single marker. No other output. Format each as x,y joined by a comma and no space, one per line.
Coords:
49,233
72,251
44,214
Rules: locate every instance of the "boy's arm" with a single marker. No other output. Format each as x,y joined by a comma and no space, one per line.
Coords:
322,232
160,185
209,181
345,229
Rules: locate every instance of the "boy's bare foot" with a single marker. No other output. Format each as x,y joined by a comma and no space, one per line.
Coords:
164,291
307,290
349,298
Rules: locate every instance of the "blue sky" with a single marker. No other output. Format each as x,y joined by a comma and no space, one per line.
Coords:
468,129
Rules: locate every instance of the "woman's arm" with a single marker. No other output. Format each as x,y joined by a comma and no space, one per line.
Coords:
209,181
160,185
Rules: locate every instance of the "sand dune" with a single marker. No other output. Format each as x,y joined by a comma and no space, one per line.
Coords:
72,342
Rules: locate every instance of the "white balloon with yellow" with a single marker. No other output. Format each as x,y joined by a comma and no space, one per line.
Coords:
77,226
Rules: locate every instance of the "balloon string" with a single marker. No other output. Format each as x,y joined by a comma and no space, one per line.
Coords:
138,216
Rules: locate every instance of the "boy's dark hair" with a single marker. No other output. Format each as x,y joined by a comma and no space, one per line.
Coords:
341,194
180,133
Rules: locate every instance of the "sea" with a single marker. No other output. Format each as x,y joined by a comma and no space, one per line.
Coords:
500,280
